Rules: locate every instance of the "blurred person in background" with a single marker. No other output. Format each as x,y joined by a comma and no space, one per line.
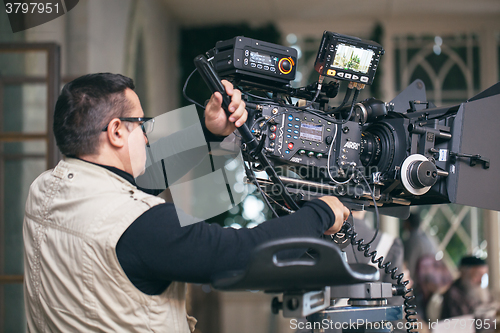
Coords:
432,277
467,293
416,243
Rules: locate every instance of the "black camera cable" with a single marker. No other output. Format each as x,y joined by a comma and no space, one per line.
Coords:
261,98
318,91
354,100
347,229
185,94
252,177
344,102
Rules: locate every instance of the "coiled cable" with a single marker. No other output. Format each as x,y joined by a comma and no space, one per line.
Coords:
409,309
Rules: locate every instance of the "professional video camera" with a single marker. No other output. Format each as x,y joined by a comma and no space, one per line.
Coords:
369,154
396,154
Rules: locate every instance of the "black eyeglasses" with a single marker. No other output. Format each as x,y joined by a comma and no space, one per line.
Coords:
147,124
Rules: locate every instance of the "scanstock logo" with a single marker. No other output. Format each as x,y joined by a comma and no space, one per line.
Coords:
204,180
26,14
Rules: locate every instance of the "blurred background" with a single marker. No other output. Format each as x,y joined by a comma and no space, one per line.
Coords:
452,45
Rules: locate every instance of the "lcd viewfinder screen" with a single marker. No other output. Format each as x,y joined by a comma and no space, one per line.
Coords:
352,58
311,132
259,58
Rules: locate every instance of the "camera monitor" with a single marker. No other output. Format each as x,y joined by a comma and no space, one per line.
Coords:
348,58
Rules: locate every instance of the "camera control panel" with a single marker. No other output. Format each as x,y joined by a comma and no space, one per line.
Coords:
303,138
242,57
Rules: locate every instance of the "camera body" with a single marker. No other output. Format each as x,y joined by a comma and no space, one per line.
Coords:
369,154
339,155
395,154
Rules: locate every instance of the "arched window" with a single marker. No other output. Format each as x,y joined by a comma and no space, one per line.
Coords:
449,66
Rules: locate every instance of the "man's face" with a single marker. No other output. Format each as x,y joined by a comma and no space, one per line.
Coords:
471,282
136,140
477,273
473,275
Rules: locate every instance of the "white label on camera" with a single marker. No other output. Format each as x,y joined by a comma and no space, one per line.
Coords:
352,145
443,155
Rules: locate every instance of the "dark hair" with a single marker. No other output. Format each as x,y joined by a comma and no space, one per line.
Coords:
469,261
86,105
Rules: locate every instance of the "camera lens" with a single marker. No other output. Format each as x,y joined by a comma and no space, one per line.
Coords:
370,149
378,146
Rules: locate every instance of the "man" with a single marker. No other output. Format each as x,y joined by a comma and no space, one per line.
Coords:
466,294
102,255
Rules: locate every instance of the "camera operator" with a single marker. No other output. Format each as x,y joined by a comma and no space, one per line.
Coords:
102,255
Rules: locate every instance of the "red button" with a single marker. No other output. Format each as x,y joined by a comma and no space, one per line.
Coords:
290,145
272,136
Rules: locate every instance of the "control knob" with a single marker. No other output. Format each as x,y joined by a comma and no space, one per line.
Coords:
285,65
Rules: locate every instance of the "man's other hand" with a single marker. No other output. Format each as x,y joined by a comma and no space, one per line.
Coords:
341,213
216,119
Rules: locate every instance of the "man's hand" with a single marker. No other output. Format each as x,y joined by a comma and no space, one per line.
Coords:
216,120
341,213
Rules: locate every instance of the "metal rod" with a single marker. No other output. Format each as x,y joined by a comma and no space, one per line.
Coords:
442,173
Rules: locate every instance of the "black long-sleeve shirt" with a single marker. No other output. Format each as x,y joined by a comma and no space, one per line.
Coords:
156,250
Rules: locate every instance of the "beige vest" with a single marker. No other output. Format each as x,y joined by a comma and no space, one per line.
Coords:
75,215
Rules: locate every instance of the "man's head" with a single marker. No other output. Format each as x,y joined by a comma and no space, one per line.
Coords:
472,270
86,105
87,121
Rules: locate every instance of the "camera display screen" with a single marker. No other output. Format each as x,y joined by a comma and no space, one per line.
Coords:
352,58
259,58
311,132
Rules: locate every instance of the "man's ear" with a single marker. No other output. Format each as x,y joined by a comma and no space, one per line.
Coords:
116,133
